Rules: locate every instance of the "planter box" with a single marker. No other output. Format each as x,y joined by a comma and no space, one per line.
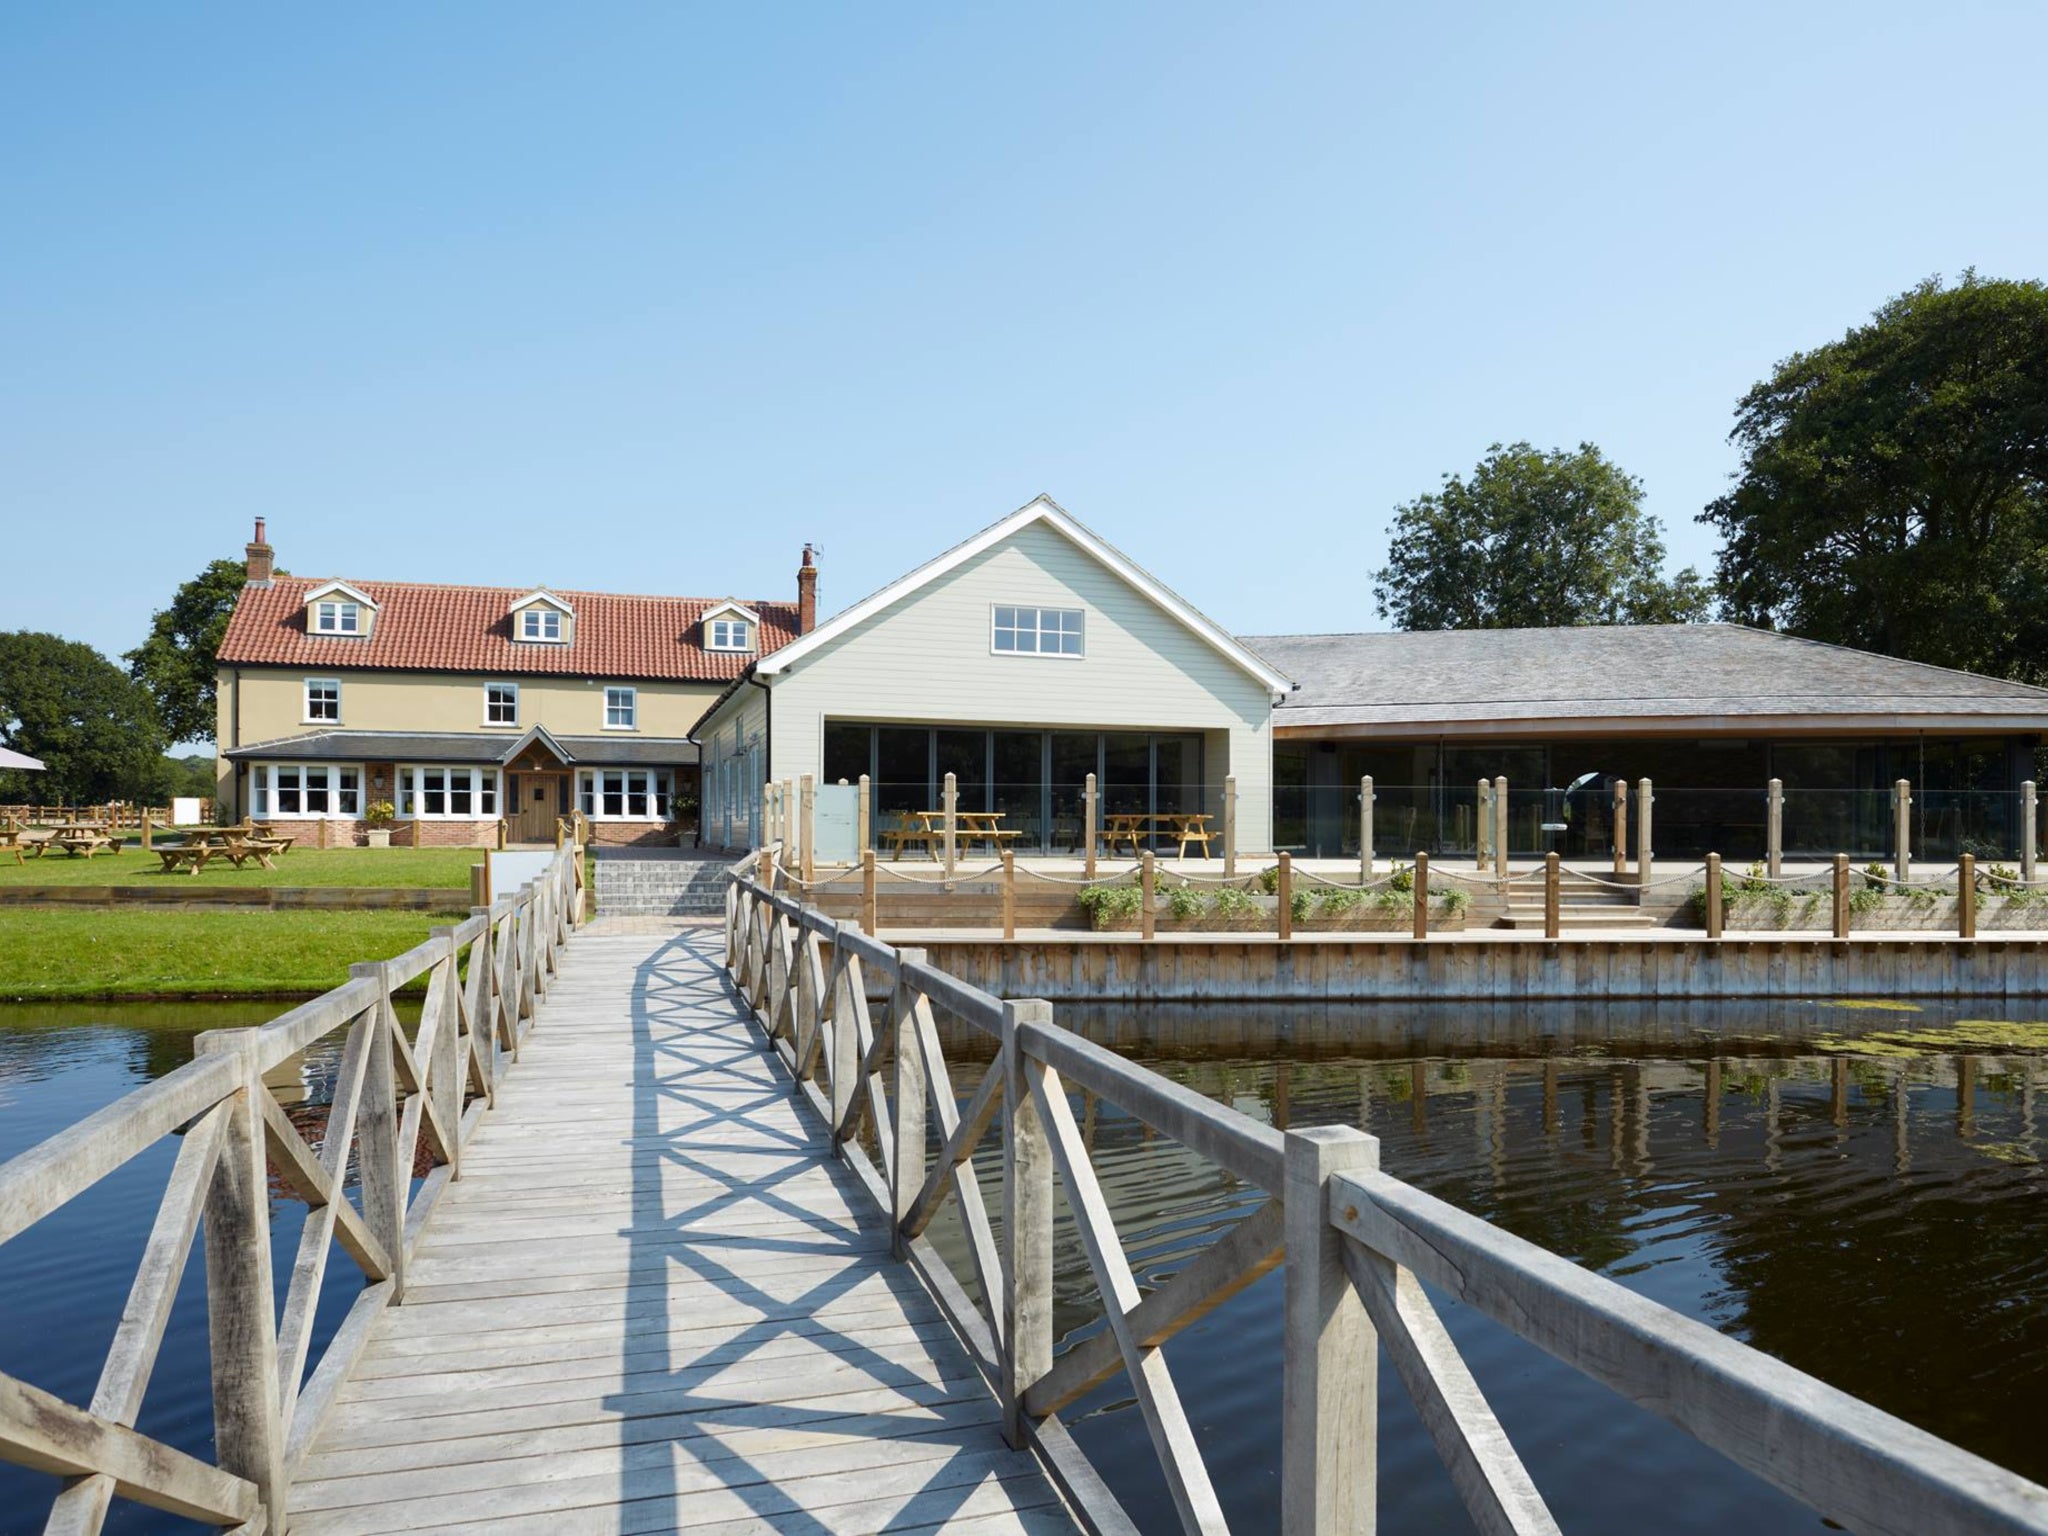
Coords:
1892,914
1268,922
377,837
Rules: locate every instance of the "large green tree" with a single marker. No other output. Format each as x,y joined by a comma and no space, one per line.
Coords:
94,728
1533,539
176,662
1894,486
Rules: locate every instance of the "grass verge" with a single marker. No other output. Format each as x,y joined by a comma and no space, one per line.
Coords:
409,868
117,952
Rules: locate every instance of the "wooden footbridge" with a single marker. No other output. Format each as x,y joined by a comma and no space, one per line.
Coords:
666,1270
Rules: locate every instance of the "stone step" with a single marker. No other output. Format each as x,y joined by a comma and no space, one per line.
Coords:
1576,915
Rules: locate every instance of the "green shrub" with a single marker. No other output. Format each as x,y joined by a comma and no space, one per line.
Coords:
1107,904
1233,902
1336,902
1301,904
1269,879
1184,902
1402,878
1454,900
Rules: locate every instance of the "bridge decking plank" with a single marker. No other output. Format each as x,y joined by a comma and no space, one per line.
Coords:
652,1302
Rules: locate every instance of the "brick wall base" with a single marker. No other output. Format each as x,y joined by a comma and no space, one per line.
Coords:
404,834
632,834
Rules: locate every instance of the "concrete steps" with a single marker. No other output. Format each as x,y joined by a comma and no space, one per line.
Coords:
659,883
1578,915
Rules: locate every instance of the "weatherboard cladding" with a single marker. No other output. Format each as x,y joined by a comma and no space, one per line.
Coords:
448,747
1692,671
431,628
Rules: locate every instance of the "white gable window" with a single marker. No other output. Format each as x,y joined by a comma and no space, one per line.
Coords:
541,624
323,701
730,635
621,709
501,703
336,616
1037,631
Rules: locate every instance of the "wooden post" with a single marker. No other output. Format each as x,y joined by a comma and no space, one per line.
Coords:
1329,1394
807,810
869,918
1010,892
767,868
503,828
951,803
864,817
248,1428
1966,895
1902,830
1090,823
1027,1225
1714,913
1645,860
1841,895
1774,829
383,1183
1500,828
1365,829
1230,827
1552,896
479,885
2028,829
145,830
1286,894
1482,825
1421,894
907,1172
1620,827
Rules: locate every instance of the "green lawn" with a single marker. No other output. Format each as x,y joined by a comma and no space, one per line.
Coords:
130,952
432,868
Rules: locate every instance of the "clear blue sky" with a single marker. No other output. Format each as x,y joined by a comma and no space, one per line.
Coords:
643,296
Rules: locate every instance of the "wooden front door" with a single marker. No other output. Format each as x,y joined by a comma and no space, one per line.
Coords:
538,800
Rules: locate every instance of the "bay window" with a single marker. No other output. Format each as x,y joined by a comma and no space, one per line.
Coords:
315,791
454,793
624,794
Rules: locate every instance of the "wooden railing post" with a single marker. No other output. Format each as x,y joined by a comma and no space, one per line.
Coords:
1645,798
1285,890
1902,829
1010,892
1420,893
1841,888
1365,829
1230,826
869,918
1091,822
1714,913
1026,1345
1966,895
864,817
1148,916
950,803
907,1063
1552,895
1620,827
1482,825
383,1182
248,1422
807,802
146,844
1774,829
1330,1383
1500,828
2029,825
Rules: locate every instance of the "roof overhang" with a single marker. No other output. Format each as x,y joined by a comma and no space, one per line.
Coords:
737,609
1044,510
1614,726
539,736
343,589
542,595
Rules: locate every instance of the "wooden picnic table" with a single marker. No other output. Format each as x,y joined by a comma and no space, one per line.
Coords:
927,829
85,838
234,844
1136,827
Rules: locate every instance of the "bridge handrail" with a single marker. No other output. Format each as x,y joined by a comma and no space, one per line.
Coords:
391,1096
1356,1243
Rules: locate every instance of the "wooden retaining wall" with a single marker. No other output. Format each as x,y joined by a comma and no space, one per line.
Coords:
1115,968
315,898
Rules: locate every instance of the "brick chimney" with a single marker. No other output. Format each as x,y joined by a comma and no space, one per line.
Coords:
262,559
807,593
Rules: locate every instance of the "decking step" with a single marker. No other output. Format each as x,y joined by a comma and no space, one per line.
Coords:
1579,915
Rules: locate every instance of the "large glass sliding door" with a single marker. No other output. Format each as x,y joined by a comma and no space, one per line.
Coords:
1075,755
1017,788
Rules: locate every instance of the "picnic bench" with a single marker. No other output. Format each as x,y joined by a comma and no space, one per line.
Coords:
192,855
927,830
1138,827
83,839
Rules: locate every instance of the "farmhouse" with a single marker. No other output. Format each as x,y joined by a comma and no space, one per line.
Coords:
459,705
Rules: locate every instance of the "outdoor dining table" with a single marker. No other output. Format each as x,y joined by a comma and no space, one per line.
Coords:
928,829
1136,827
85,838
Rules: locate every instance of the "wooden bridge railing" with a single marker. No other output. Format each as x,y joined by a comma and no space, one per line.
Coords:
1356,1243
485,979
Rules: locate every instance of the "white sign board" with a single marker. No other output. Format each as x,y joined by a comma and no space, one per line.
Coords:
835,820
511,870
190,811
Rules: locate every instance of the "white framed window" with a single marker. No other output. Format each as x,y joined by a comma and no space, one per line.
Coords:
323,700
621,709
336,616
1035,631
541,623
311,791
730,635
624,794
449,793
501,703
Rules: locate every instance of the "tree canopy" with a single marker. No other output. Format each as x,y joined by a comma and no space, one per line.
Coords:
1893,493
1533,539
95,729
176,662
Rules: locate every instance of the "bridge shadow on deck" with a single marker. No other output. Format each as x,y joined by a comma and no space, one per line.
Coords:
832,1397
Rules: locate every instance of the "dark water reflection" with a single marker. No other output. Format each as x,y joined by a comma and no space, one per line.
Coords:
1873,1217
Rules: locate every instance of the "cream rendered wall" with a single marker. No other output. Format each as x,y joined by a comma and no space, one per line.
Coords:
928,659
273,704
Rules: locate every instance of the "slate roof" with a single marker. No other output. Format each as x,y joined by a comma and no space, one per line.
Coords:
423,627
438,747
1676,673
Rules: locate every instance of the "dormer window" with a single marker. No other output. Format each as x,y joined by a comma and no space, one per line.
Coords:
729,627
336,608
541,624
541,618
338,618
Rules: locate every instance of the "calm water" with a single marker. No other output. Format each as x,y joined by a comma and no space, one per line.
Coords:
1874,1218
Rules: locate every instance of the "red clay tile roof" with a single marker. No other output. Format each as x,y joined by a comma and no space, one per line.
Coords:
426,628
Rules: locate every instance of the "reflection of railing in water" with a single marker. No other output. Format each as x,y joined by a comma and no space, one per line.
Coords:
390,1097
1355,1242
